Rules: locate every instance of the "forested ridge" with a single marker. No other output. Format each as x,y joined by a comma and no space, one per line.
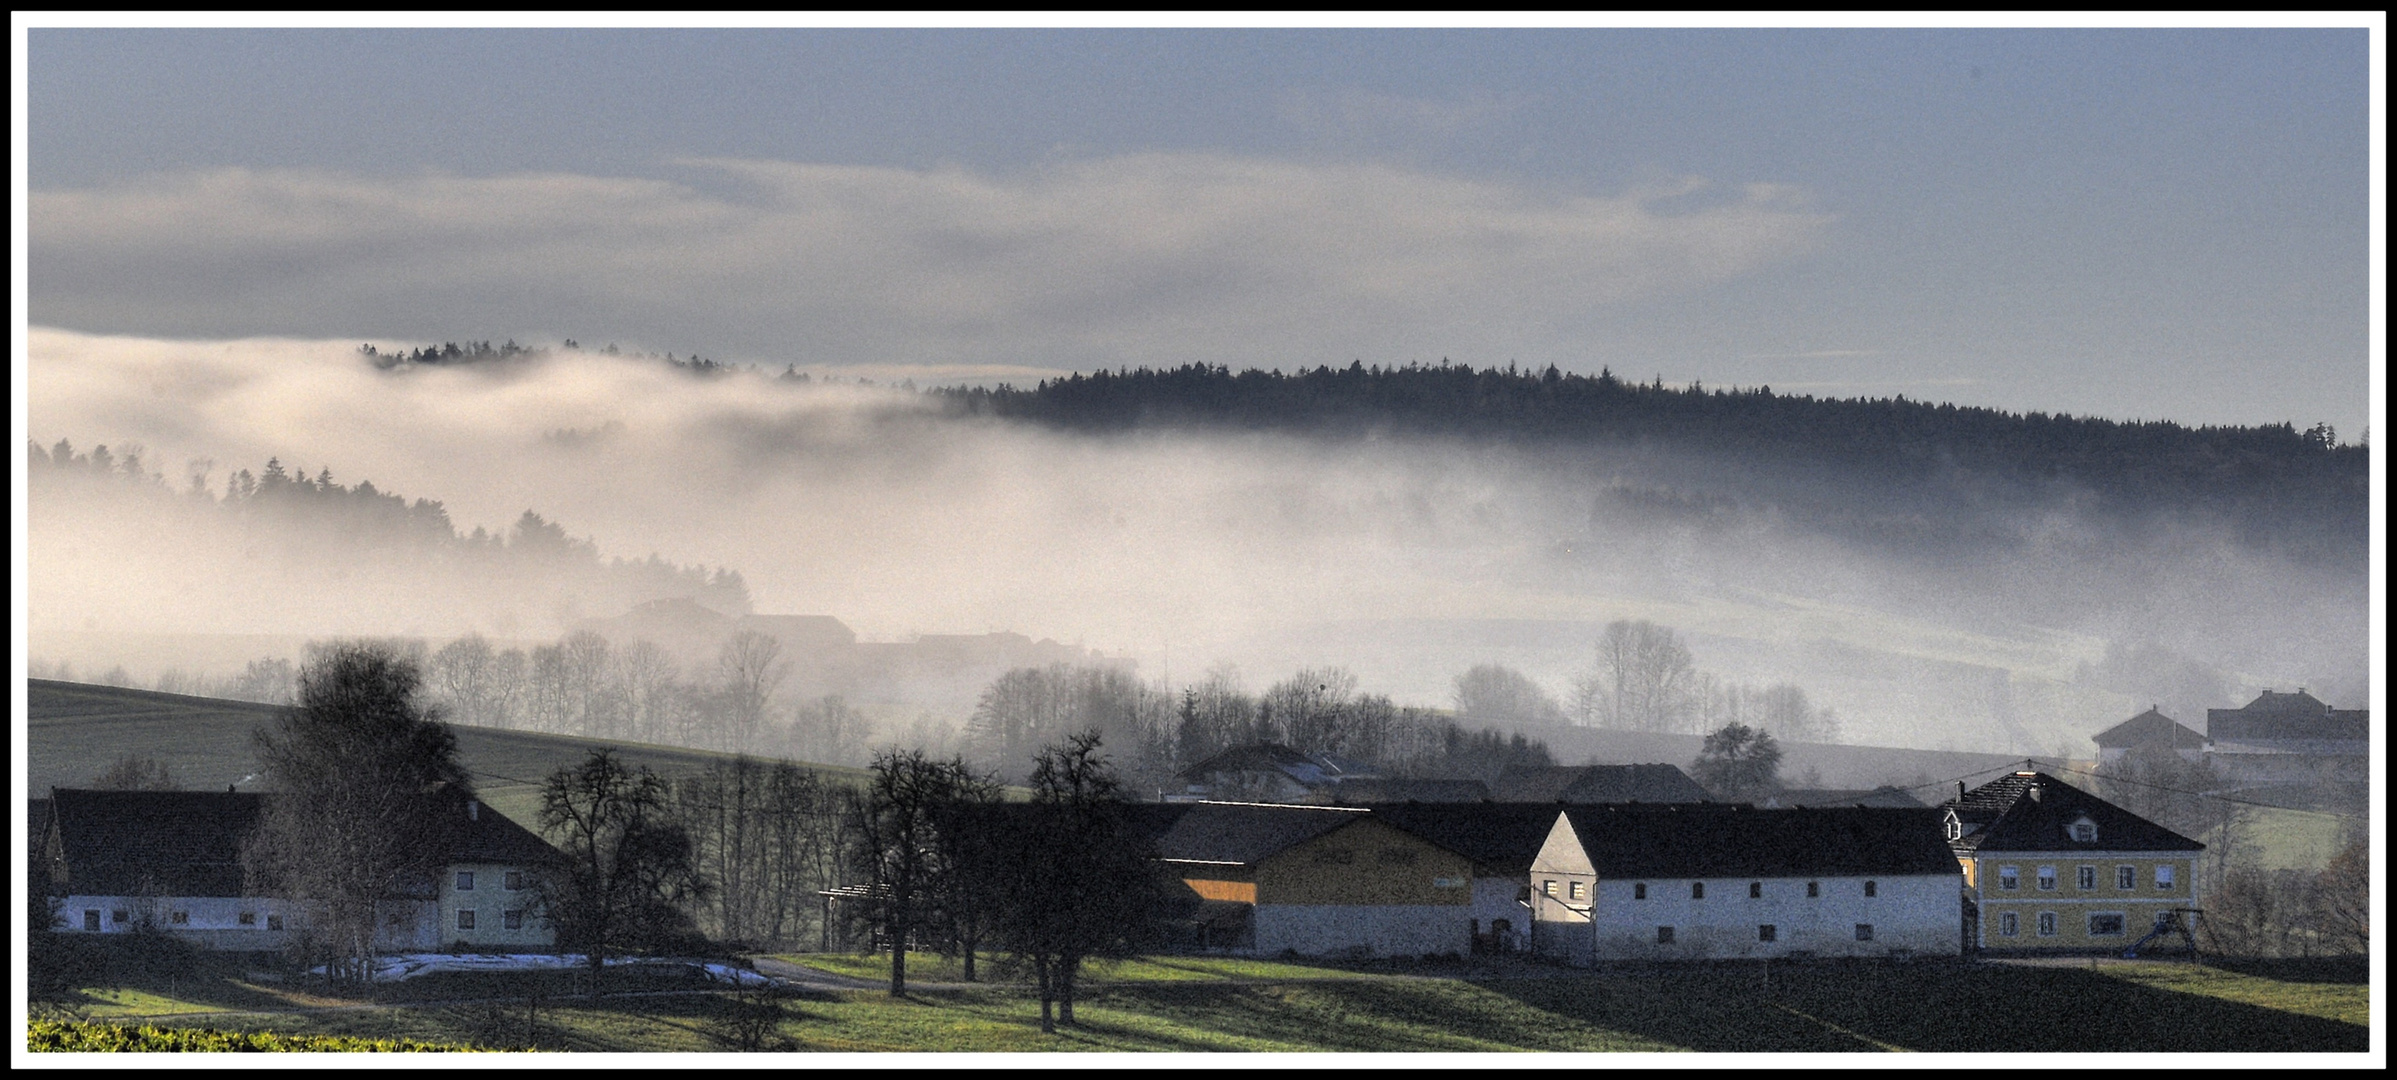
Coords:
2266,479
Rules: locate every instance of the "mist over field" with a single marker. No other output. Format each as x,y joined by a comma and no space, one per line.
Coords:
1405,559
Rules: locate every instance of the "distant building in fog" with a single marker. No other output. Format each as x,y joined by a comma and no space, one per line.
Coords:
2150,731
2289,739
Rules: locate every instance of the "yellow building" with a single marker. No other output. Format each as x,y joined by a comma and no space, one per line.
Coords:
2051,868
1321,880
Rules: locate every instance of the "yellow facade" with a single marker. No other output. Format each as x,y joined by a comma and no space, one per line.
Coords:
1366,862
2054,894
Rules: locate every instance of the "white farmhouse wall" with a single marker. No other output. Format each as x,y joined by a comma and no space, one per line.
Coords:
1910,916
210,921
1494,899
1385,929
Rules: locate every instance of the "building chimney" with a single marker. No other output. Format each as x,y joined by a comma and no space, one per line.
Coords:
474,810
229,789
1959,791
2034,792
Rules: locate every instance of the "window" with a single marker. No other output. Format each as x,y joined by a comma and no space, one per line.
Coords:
2126,877
2084,831
512,920
1814,889
249,918
2047,879
180,918
465,881
514,880
1756,892
119,915
1864,931
1639,890
1697,890
2164,875
1872,888
2088,878
1664,935
2008,924
274,921
2105,924
91,919
2047,924
1767,932
465,918
1955,828
1573,890
2009,877
1548,888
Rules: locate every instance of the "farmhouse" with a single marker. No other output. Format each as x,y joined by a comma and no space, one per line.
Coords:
2150,732
1320,880
1270,772
1712,881
2289,739
1502,839
2051,868
170,861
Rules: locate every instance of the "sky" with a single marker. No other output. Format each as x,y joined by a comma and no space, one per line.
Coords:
2150,224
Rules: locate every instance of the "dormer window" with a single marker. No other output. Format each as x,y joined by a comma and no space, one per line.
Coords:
1955,828
2084,831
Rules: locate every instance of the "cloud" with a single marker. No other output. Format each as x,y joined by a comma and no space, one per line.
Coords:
1143,259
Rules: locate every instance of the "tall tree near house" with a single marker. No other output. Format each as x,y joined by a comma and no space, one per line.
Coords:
364,785
1072,879
2343,899
1738,762
896,822
631,871
751,667
965,849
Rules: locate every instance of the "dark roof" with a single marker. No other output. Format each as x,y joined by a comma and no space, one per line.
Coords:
492,837
1884,795
1656,783
1311,770
1366,790
2287,716
1718,840
164,843
1245,833
1500,838
2032,811
2151,728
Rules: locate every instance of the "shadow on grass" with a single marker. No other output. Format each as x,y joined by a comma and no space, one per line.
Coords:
1958,1007
2352,970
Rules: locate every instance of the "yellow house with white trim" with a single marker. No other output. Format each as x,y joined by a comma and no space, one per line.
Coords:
2051,868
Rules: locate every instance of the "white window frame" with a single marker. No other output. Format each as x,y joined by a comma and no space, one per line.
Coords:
2047,879
2087,878
2047,924
2122,923
464,881
2126,876
1573,890
2009,877
2009,924
2164,876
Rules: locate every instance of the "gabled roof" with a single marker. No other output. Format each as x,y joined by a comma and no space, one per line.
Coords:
492,837
1311,770
2287,716
161,843
2032,811
1500,838
2150,728
1245,834
1656,783
1718,840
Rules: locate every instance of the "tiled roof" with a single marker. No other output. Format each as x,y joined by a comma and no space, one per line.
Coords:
2151,728
1655,783
2032,811
2287,716
492,837
1717,840
1245,833
165,843
1500,838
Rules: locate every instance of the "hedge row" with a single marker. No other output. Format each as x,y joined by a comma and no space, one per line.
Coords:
74,1037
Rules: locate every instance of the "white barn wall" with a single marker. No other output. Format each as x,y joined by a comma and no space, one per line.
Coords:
1386,929
1911,915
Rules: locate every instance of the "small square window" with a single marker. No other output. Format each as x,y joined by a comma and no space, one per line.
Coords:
2047,924
514,880
2088,878
512,920
2126,877
1573,890
2009,877
465,881
1697,890
274,921
2047,879
1548,888
1864,931
2084,831
1664,935
1814,889
91,919
2105,924
1639,890
1767,932
119,915
1756,890
2008,924
465,918
2164,875
1872,888
180,918
249,918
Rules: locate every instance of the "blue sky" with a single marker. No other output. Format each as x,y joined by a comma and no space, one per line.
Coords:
2139,224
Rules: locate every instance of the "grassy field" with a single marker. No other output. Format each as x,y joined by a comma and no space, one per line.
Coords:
1183,1004
934,968
74,731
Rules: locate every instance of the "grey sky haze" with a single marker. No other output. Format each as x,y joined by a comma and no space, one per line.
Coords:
2132,223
